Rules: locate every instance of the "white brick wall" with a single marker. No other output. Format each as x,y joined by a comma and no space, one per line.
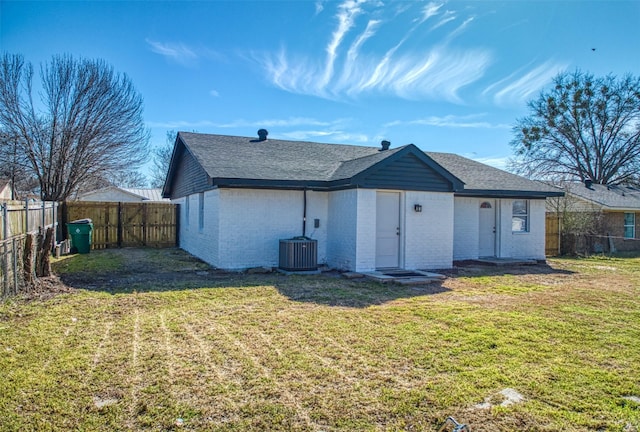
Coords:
352,230
202,243
527,245
466,221
342,229
366,230
428,241
318,208
242,227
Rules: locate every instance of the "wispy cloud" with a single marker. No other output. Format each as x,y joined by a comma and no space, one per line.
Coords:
177,52
243,123
350,69
430,10
523,84
181,53
339,136
294,128
500,162
460,29
214,93
451,121
347,12
447,17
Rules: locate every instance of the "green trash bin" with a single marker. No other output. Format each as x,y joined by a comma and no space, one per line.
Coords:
80,233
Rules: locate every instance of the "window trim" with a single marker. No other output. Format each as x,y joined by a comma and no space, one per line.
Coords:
186,210
526,216
631,225
201,211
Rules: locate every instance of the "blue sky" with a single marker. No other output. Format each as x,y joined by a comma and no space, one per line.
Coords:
447,76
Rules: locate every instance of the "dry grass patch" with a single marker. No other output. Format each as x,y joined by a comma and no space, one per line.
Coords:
189,348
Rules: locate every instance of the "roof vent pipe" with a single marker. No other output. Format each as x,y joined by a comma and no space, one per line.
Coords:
262,134
385,145
588,183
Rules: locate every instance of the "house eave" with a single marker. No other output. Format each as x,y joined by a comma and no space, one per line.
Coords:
514,194
620,209
315,185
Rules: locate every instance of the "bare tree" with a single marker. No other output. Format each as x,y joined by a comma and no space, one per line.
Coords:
161,160
582,128
88,123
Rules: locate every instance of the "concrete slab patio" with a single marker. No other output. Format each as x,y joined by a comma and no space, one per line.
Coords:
499,262
404,277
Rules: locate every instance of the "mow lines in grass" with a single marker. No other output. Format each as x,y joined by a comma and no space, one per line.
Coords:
136,380
167,346
56,348
97,355
302,413
205,351
294,340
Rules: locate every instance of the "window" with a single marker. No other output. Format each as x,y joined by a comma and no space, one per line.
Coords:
186,210
629,225
201,211
485,205
520,217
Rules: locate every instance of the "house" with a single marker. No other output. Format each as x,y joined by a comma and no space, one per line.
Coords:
119,194
368,208
609,214
7,193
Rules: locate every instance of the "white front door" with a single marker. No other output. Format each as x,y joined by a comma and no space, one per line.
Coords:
487,238
387,229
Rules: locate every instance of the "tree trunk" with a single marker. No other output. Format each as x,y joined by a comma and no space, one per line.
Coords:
28,259
43,267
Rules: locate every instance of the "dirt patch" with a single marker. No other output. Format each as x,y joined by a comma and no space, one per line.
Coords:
45,288
143,269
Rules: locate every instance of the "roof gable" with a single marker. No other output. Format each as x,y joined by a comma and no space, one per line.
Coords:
186,174
408,169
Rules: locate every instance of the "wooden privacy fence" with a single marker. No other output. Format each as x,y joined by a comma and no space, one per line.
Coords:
22,230
22,217
126,224
552,235
12,276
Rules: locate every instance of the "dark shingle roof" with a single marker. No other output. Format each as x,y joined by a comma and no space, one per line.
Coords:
611,197
234,157
481,179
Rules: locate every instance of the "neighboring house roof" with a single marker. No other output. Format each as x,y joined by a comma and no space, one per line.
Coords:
5,189
137,194
146,194
608,197
247,162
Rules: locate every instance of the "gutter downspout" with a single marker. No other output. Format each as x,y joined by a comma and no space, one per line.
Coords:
304,213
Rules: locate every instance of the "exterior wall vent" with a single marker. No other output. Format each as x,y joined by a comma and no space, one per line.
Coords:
298,254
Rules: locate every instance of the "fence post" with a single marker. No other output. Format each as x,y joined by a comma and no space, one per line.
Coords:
5,269
15,266
5,220
44,214
26,215
120,224
54,221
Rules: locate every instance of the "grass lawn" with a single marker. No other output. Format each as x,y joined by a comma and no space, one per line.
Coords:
154,340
